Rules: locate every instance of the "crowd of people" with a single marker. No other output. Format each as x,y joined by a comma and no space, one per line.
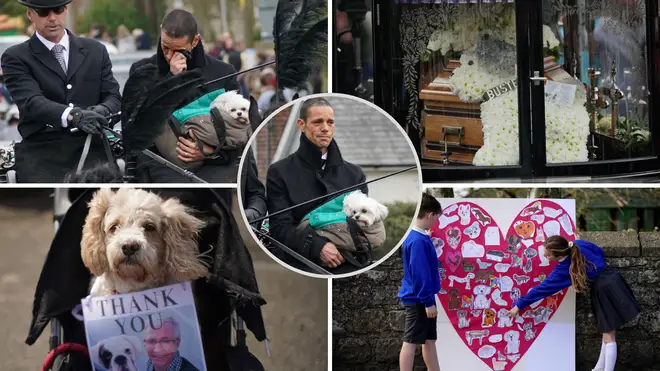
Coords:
260,83
58,108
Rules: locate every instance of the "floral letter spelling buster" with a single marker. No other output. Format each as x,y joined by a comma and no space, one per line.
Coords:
486,274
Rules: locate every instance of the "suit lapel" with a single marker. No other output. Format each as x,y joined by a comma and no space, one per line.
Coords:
46,57
76,55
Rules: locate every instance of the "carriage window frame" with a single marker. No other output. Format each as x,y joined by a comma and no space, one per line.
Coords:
532,164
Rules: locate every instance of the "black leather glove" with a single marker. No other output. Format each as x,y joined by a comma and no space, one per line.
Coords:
252,214
100,109
88,121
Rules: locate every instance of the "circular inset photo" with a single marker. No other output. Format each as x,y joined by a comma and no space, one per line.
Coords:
329,185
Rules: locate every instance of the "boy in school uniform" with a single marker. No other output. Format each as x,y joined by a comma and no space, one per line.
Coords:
420,284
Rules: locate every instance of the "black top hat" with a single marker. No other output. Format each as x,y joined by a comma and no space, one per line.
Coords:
44,4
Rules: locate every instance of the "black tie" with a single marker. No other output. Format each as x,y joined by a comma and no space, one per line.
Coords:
323,161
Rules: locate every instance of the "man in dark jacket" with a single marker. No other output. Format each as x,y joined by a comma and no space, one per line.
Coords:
179,36
59,82
314,170
253,192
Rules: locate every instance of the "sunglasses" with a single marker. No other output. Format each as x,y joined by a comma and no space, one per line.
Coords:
44,12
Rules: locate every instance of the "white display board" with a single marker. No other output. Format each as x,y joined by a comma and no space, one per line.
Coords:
557,337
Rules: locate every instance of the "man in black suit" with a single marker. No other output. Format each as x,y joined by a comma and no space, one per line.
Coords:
316,169
64,87
179,37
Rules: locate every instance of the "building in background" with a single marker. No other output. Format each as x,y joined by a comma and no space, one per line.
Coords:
365,137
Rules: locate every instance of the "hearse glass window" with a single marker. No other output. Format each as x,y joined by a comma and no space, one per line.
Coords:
459,64
596,96
459,69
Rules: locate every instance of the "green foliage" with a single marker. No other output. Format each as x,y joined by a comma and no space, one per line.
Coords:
397,223
112,14
256,37
13,9
597,209
631,133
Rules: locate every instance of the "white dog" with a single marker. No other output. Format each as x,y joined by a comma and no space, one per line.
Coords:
369,215
365,210
512,338
133,240
234,110
117,353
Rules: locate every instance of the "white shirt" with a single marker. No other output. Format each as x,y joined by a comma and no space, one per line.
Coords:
65,53
420,230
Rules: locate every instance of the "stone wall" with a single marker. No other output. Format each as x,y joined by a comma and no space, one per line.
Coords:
368,318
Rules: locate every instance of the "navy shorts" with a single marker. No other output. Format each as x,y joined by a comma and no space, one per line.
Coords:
419,328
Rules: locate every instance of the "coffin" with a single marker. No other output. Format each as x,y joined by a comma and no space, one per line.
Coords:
451,125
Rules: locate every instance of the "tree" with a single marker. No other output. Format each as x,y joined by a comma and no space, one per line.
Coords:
441,192
113,13
13,8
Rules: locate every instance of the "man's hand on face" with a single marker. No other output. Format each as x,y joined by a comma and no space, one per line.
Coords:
187,151
178,63
330,256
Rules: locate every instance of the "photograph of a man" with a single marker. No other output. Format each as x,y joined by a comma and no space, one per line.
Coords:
162,347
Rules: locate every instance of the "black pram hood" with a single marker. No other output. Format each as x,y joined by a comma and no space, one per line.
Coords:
64,279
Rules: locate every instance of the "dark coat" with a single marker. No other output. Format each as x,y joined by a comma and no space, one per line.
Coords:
232,281
253,192
42,92
224,170
187,366
299,178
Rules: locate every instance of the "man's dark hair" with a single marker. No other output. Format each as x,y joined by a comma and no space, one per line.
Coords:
309,103
179,23
429,204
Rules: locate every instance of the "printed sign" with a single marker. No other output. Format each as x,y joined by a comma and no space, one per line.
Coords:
499,90
144,330
560,94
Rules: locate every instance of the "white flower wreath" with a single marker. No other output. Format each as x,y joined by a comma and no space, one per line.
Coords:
567,128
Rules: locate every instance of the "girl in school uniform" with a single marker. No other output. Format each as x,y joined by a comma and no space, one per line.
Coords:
582,265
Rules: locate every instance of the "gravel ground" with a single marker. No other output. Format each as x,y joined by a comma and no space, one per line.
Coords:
296,315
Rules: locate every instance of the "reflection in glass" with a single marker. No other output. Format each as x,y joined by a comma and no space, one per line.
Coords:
603,44
468,84
355,48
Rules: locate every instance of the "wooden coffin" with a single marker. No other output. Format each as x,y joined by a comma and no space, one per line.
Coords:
451,125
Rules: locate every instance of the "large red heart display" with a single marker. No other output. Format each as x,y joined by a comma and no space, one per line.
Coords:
483,272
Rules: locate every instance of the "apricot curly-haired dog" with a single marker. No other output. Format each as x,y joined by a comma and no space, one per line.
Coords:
134,240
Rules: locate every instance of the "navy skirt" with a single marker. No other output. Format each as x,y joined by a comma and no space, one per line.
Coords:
612,300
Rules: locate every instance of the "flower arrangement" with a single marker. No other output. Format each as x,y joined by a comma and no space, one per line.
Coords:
471,24
488,62
485,38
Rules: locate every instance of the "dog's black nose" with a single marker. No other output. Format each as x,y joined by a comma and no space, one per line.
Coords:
130,248
239,113
120,360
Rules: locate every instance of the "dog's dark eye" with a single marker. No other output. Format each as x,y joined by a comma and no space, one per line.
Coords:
113,228
149,227
128,351
233,109
364,211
